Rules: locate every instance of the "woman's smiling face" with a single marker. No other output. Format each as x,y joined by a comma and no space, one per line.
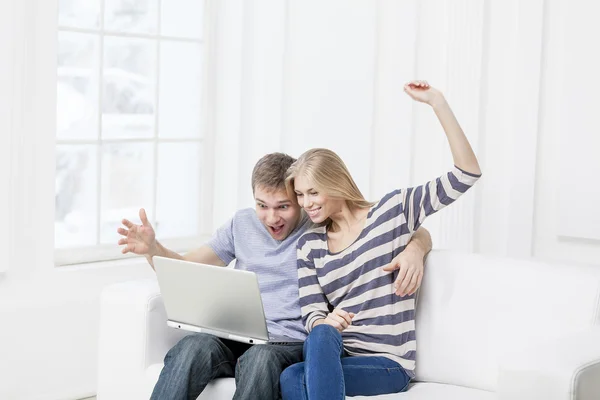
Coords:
318,206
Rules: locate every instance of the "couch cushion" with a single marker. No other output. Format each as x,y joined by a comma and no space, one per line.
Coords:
434,391
223,389
472,309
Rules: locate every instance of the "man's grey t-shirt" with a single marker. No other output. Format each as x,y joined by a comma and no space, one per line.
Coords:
245,239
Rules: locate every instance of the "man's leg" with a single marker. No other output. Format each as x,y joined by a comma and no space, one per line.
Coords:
258,369
193,363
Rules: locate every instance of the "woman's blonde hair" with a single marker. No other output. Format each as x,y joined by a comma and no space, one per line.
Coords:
330,176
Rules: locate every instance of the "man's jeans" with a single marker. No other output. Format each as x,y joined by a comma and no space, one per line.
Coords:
199,358
328,373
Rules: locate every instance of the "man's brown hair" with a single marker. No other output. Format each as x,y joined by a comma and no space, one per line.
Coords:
269,172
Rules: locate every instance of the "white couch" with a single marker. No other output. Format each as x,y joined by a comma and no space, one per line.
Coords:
487,328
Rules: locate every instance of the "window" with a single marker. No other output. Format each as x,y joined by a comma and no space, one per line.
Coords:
130,125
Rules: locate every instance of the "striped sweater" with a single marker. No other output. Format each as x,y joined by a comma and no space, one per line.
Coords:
353,279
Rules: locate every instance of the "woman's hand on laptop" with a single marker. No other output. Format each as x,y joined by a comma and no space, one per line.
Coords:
138,239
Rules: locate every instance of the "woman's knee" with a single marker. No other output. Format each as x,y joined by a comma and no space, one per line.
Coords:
324,332
291,379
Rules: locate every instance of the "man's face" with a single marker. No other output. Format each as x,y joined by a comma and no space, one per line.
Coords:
277,212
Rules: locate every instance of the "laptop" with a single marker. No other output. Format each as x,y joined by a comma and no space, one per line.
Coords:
221,301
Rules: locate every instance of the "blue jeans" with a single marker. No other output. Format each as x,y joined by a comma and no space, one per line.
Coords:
199,358
329,373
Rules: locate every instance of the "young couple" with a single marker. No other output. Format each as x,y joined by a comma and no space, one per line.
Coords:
345,270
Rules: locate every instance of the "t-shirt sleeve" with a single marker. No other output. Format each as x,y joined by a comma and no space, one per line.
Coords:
419,202
313,303
222,242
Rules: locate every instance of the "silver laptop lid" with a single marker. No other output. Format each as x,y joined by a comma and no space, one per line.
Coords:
216,298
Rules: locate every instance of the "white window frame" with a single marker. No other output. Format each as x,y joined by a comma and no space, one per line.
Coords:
105,252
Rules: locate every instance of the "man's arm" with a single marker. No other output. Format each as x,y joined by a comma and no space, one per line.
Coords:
410,262
204,255
141,240
421,241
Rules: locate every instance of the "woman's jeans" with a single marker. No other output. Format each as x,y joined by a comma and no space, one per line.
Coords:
328,373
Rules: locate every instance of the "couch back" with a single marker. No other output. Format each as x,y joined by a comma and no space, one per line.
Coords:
473,309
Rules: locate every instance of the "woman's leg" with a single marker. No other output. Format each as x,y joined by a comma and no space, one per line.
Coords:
370,376
323,374
292,383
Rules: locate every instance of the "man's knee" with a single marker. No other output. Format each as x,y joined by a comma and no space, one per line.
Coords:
192,345
261,355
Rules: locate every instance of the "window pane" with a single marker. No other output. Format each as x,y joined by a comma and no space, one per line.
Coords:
129,88
180,90
127,185
182,18
178,191
75,196
77,86
139,16
79,13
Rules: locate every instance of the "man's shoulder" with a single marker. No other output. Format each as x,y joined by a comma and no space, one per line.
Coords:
245,220
245,214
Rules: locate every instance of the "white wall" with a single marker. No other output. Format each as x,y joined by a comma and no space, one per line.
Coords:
330,74
295,74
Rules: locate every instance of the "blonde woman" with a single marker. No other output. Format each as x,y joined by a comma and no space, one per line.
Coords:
361,332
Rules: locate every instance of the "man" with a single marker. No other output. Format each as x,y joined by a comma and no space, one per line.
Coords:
262,241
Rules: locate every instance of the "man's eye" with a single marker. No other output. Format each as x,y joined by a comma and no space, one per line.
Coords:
284,207
262,206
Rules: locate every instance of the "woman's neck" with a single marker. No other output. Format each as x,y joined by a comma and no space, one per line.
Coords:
347,219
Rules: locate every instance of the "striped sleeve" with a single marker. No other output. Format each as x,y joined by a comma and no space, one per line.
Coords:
421,201
313,302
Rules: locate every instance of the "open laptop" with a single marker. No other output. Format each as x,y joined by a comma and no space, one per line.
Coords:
224,302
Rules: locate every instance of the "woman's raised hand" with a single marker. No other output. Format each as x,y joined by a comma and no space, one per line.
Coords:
421,91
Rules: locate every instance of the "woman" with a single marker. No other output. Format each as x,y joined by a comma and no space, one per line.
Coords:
361,334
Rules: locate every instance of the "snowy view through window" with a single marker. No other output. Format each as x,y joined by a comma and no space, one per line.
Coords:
129,119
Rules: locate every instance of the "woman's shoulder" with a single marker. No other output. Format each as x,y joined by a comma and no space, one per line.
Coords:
314,234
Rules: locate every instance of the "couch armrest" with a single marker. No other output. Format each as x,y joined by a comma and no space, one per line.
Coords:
564,369
133,335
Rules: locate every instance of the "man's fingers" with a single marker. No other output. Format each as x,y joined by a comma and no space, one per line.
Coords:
122,241
405,284
391,266
400,278
123,232
127,223
144,218
412,286
418,284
